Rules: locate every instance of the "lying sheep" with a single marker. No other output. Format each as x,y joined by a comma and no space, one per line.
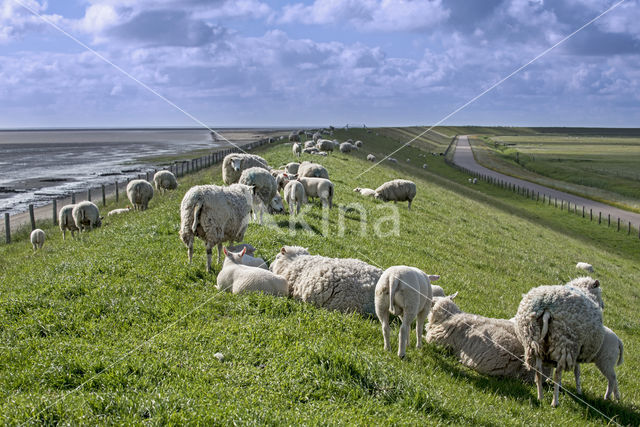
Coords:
371,157
139,193
292,168
37,238
296,149
347,147
584,266
308,169
215,215
325,145
264,188
86,215
239,278
398,190
310,144
489,346
312,150
165,180
560,325
295,195
403,291
333,283
321,153
392,160
318,187
66,222
234,164
608,357
119,211
367,192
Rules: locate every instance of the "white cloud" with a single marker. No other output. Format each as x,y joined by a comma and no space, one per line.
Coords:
17,20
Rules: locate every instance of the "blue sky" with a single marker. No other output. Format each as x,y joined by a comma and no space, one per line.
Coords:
318,62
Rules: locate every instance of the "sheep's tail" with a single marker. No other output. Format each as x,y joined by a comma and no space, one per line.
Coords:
621,348
534,339
393,285
196,215
545,325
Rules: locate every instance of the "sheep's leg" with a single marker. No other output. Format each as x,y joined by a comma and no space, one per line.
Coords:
384,320
190,251
557,379
64,234
34,246
539,378
403,336
209,251
420,326
220,250
409,204
612,382
576,372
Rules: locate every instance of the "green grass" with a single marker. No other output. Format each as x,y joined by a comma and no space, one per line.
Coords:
116,327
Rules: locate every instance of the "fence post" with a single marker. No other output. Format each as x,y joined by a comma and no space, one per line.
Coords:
608,220
618,224
7,228
55,211
89,194
590,214
599,218
73,198
104,196
32,217
629,230
147,175
582,211
117,192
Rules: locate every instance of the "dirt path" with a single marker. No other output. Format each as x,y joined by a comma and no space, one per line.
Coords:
463,157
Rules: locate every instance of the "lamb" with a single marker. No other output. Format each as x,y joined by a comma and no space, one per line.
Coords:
358,144
308,169
489,346
325,145
86,215
66,222
403,291
608,357
139,192
333,283
264,187
318,187
585,266
165,180
250,249
119,211
560,325
239,278
398,190
234,164
37,238
215,215
371,157
292,168
347,147
367,192
295,195
296,149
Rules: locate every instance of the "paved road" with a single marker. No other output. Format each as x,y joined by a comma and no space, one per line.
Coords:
463,157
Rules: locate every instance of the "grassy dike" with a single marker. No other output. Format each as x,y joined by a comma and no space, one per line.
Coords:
116,327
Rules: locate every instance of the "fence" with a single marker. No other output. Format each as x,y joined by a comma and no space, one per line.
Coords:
530,194
114,190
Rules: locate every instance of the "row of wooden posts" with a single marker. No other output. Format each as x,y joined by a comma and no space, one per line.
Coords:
178,168
530,194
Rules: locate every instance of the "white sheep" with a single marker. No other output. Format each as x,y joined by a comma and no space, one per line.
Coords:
321,153
165,180
367,192
295,196
316,136
234,163
249,249
342,284
347,147
37,238
608,357
239,278
398,190
560,325
424,166
139,193
371,157
437,291
319,187
292,168
358,144
403,291
325,145
308,169
66,222
264,188
296,148
475,180
86,215
275,206
119,211
408,160
585,266
310,144
392,160
215,215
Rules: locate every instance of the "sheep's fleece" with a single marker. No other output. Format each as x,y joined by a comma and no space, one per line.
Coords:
230,176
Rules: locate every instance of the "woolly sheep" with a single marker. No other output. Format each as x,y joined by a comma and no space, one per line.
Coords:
250,249
347,147
316,136
325,145
165,180
296,149
437,291
308,169
424,166
215,215
275,206
66,222
264,187
310,150
321,153
37,238
293,137
310,144
139,193
319,187
119,211
475,180
367,192
358,144
333,283
295,196
292,168
398,190
371,157
403,291
234,164
392,160
239,278
608,357
585,266
560,325
489,346
86,215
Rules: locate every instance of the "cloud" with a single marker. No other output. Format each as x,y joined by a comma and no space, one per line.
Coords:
17,20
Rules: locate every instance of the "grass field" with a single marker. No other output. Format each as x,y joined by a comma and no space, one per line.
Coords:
116,327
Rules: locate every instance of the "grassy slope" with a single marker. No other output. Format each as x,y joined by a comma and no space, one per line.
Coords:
70,313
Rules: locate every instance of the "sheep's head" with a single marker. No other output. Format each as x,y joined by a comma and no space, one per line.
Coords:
234,257
236,164
99,221
276,205
443,308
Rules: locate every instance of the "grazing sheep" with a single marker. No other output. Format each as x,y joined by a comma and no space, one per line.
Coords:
165,180
215,215
408,160
585,266
367,192
475,180
608,357
489,346
398,190
333,283
308,169
470,181
297,149
250,249
424,166
358,144
318,187
139,192
238,277
119,211
292,168
86,215
325,145
37,238
560,325
294,137
264,187
234,164
66,222
403,291
275,206
295,195
371,157
392,160
347,147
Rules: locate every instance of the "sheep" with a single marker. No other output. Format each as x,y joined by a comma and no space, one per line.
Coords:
585,266
333,283
403,291
293,137
309,144
347,147
560,325
408,160
316,136
234,164
250,249
165,180
119,211
489,346
398,190
475,180
275,206
296,148
308,169
86,215
66,222
319,187
371,157
139,192
239,278
321,153
37,238
437,291
215,215
424,166
392,160
325,145
295,195
292,168
367,192
358,144
264,188
608,357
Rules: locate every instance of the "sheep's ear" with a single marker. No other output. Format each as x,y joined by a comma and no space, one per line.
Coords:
283,250
224,249
244,250
433,277
451,297
596,284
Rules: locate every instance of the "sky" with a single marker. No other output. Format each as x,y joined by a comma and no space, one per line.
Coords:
228,63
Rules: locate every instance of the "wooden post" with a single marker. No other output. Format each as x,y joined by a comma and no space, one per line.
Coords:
599,218
55,211
555,200
104,196
582,211
117,192
629,229
618,224
73,198
147,175
89,194
590,214
32,217
7,228
608,220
